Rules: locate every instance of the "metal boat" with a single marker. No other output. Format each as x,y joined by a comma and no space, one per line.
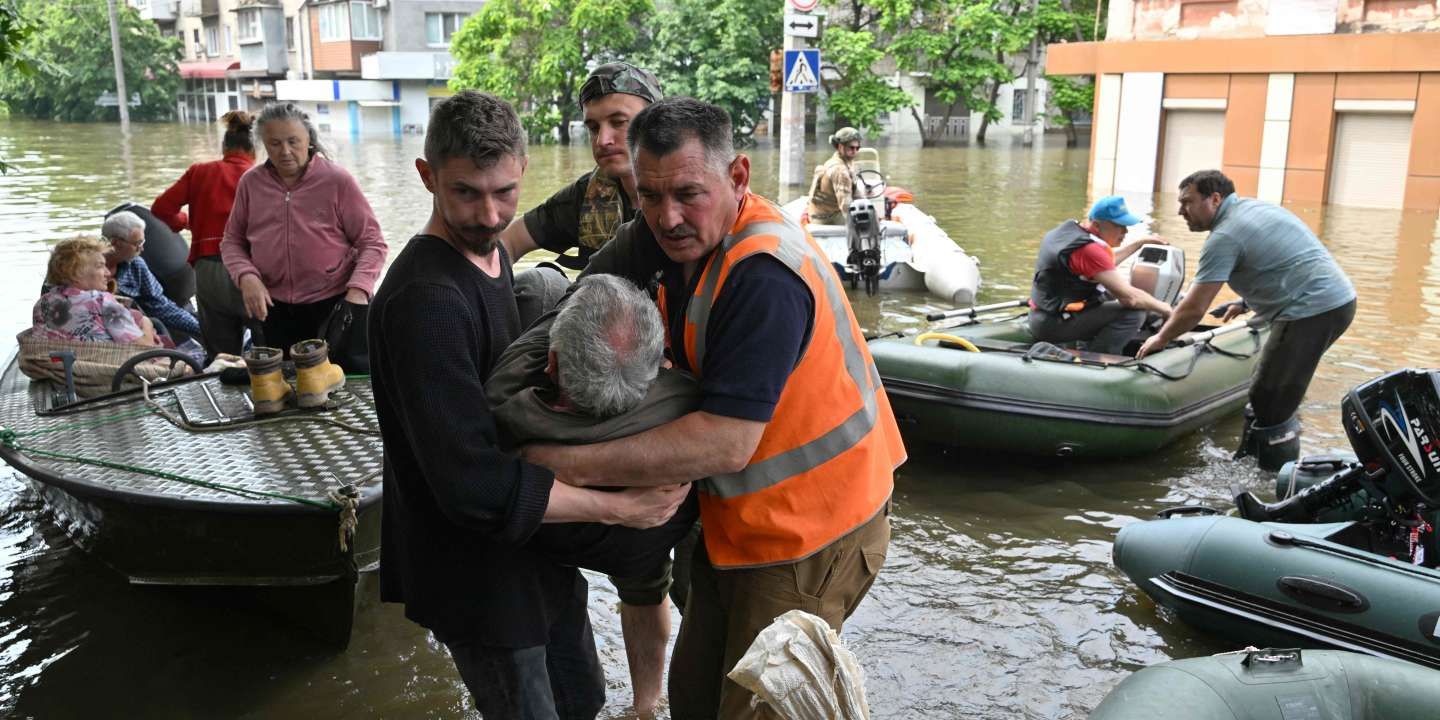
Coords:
176,483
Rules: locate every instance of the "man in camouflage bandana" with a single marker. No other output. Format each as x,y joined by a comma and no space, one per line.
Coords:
584,214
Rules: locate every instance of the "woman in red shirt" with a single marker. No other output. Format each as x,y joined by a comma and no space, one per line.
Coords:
208,189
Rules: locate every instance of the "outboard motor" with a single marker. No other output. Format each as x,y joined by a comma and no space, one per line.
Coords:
1393,423
1160,271
863,227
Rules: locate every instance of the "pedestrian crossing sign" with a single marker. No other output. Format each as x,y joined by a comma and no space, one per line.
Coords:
802,71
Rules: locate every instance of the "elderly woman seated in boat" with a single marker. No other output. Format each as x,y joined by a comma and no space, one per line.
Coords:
77,304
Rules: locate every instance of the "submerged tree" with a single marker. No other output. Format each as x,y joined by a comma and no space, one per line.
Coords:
78,68
859,96
536,53
717,51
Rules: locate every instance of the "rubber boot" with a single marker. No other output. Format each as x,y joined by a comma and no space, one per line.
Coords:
315,376
268,389
1277,444
1247,437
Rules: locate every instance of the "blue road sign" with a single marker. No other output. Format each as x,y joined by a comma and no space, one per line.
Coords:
802,71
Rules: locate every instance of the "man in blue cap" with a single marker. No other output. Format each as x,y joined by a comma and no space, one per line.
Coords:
1076,260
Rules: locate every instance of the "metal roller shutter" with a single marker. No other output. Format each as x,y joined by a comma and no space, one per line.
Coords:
1372,154
1194,140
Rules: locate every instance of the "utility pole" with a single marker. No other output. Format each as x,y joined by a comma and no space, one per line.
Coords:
120,93
1031,68
792,127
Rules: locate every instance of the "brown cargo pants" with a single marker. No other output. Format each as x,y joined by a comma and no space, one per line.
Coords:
727,609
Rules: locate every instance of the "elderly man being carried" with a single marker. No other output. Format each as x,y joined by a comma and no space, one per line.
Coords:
589,373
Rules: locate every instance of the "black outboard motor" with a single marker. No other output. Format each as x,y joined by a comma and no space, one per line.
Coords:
166,253
1393,423
864,233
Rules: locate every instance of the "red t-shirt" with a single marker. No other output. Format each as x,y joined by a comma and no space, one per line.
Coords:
1091,260
209,190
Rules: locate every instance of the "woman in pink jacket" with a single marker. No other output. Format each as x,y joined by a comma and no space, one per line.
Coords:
301,237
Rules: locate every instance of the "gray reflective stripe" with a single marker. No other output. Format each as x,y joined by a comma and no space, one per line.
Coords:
698,310
768,472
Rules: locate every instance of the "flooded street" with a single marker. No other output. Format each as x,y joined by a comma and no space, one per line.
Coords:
998,599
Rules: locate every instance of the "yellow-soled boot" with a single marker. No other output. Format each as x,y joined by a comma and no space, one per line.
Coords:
268,389
315,376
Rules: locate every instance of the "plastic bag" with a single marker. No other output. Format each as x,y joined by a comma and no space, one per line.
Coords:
799,669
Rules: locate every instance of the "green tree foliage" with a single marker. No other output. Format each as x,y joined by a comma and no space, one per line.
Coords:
536,53
717,51
966,49
1069,96
960,47
860,96
73,38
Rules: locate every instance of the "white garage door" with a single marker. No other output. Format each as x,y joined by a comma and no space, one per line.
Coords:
1372,154
1194,140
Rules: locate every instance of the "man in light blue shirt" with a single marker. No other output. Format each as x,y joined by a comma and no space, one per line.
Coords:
1281,271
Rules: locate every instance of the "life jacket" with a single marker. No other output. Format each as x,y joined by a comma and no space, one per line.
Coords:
1055,289
826,460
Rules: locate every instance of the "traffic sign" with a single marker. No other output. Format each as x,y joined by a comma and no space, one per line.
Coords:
806,26
804,6
802,71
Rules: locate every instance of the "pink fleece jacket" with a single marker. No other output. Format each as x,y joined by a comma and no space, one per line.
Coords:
307,243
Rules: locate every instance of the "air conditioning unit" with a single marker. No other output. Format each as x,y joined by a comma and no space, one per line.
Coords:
381,3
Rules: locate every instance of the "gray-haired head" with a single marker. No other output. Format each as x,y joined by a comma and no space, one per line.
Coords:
609,342
473,125
120,225
291,111
668,125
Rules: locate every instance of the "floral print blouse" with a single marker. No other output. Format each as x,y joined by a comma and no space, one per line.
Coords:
67,313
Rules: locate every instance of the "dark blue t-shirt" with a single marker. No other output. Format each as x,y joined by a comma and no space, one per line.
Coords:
758,330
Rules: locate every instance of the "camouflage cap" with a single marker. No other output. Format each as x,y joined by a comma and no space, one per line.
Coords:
620,77
845,135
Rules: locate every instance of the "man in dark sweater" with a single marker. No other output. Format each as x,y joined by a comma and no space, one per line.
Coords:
458,511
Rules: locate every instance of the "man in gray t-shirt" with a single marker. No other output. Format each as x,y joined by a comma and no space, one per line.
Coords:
1281,271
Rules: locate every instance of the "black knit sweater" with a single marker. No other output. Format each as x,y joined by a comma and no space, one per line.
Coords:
456,510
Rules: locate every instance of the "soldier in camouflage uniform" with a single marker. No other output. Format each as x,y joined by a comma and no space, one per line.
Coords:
584,214
833,185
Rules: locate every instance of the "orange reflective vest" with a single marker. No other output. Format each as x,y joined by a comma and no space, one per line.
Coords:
826,460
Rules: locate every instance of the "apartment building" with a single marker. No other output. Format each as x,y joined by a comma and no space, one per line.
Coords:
1300,101
375,66
357,66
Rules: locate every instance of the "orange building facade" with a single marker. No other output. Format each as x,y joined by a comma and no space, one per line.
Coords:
1299,101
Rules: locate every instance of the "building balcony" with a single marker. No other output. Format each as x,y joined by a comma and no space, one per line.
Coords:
407,66
163,11
199,8
262,40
